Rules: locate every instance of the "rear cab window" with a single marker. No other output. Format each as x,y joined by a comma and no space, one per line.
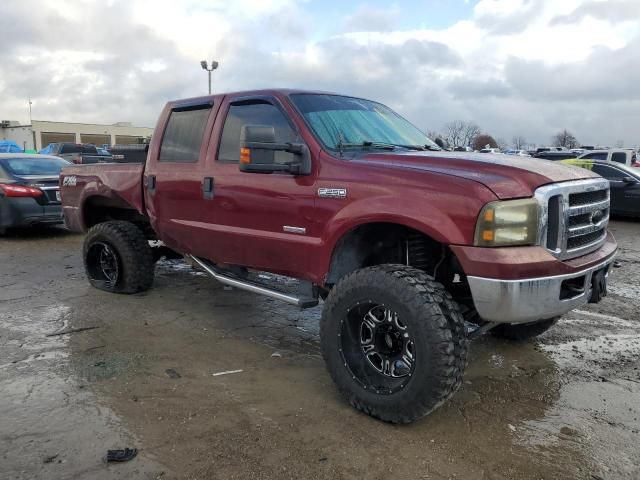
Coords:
254,112
184,134
619,157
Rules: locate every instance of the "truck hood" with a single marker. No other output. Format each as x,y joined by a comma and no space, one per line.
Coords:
508,176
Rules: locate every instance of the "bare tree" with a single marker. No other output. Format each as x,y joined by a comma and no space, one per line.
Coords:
460,133
565,139
453,133
432,134
502,143
519,142
470,131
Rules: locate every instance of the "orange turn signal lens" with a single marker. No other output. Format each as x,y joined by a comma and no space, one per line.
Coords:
245,155
487,235
488,215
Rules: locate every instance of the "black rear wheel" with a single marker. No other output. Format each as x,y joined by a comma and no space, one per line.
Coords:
117,258
394,342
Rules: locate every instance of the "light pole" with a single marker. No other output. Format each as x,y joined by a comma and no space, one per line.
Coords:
206,67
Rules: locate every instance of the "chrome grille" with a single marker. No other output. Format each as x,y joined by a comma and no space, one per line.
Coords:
574,216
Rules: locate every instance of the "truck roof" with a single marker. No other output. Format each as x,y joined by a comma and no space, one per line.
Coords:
265,91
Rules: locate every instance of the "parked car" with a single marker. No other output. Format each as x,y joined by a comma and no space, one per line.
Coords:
402,240
490,150
29,190
81,153
520,153
624,184
624,156
550,149
555,155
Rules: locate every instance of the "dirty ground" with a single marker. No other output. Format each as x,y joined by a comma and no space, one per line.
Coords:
211,383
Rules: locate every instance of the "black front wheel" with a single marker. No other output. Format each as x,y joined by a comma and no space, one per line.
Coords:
394,342
117,258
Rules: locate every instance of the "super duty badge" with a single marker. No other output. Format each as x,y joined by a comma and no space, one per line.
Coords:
70,181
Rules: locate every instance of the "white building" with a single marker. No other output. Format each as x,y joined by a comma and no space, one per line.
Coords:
41,133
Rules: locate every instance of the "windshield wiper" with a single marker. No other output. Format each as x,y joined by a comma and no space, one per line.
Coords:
382,145
366,144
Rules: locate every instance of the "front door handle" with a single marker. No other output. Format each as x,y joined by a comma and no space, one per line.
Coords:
150,183
207,188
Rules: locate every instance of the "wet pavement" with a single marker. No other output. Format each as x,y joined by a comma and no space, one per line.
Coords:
145,373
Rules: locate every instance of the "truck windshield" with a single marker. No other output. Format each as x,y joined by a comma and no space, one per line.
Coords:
353,122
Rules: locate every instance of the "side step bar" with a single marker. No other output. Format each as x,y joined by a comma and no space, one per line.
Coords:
251,286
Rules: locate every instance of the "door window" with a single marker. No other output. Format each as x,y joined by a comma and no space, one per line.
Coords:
183,136
258,113
619,157
609,173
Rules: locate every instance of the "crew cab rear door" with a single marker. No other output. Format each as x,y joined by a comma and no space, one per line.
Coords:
262,221
174,172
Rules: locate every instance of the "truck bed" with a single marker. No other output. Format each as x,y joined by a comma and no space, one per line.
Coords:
107,184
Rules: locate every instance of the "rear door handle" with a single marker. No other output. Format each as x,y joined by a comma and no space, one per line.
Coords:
207,188
150,183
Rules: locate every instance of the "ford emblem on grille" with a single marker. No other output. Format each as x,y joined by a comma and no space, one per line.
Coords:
597,216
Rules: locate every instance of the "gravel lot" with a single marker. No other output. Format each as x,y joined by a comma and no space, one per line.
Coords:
142,375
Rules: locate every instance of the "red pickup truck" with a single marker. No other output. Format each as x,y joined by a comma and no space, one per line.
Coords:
404,242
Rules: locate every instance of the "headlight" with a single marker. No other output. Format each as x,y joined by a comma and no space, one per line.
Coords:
510,222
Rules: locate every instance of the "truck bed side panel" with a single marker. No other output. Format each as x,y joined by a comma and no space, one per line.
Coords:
112,184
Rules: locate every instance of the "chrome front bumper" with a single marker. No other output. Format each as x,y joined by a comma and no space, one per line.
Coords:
522,301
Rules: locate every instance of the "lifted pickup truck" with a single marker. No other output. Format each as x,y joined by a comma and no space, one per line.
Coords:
403,242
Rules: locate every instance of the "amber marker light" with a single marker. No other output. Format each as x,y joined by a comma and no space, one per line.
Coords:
245,155
488,217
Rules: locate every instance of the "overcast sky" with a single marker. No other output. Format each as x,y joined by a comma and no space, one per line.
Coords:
515,67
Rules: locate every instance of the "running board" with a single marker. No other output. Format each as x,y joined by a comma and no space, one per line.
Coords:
254,287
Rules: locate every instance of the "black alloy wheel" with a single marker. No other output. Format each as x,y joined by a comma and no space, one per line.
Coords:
377,347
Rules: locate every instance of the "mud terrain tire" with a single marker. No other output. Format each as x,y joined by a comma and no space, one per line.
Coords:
431,320
117,258
523,331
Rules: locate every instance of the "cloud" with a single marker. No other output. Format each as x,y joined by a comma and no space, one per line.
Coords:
610,10
511,66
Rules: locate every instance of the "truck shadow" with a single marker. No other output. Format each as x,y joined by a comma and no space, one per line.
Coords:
283,399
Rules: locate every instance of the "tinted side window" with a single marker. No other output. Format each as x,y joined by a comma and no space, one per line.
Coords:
253,114
619,157
183,135
89,150
70,148
609,173
596,156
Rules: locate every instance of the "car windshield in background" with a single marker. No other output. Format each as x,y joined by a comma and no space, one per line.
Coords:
353,122
35,166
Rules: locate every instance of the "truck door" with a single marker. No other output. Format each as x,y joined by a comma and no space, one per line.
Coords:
262,221
174,171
